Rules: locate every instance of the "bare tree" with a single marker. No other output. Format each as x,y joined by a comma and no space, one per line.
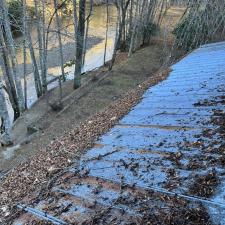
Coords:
39,30
136,27
8,76
80,43
107,30
24,52
86,31
11,47
58,29
75,21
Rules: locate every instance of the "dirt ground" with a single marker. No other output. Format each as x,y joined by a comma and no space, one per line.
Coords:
100,89
51,125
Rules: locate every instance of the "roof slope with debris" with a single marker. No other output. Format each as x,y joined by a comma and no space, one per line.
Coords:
163,163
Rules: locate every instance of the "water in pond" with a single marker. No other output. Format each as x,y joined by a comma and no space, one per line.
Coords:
94,54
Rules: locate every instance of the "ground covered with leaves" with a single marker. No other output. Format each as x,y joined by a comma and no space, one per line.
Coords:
38,170
33,181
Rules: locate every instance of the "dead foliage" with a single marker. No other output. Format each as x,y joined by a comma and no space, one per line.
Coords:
180,215
205,185
38,170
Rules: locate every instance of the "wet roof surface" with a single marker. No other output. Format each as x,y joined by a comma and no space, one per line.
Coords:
166,141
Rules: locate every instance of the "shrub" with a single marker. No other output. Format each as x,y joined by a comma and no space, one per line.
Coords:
15,10
202,23
149,31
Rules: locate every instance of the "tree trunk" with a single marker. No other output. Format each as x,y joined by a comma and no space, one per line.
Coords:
75,22
44,66
86,32
37,81
11,46
7,72
107,29
6,137
58,28
39,29
80,43
116,39
134,32
24,53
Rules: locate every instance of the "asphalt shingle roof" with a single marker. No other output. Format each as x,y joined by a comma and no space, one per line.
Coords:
164,144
